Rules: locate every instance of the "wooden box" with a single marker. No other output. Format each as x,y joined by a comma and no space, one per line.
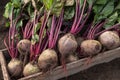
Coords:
72,68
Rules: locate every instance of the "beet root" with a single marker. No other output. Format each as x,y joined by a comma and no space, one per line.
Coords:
71,58
15,67
47,60
24,46
90,47
109,39
30,68
67,44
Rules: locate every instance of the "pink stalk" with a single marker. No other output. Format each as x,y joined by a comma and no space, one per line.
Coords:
34,48
88,30
86,18
81,16
77,13
38,47
44,43
93,29
8,48
80,20
27,33
42,28
51,31
58,28
55,29
97,28
112,27
11,46
12,41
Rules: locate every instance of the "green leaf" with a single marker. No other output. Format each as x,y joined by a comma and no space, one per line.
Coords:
16,13
44,33
8,10
69,2
118,6
7,24
113,17
16,3
103,11
111,20
30,11
19,24
118,19
69,13
41,1
37,27
55,6
48,3
81,2
101,1
108,9
90,2
49,23
97,8
35,38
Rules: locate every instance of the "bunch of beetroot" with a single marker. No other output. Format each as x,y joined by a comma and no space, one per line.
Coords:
42,37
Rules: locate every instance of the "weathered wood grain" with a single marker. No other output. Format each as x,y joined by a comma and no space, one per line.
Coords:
3,66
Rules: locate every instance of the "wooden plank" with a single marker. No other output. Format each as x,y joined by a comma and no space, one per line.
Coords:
3,66
76,66
72,68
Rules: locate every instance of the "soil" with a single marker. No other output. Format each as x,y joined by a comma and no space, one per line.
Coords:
3,29
106,71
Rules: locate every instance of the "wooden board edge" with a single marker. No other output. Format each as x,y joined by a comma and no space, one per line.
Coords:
3,66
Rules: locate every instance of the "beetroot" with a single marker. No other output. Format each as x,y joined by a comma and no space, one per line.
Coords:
24,46
15,67
71,58
109,39
48,59
30,68
90,47
67,44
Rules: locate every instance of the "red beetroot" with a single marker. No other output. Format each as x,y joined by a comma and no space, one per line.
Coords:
109,39
48,58
68,44
15,65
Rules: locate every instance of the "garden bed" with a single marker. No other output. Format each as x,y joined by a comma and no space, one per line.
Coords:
72,68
